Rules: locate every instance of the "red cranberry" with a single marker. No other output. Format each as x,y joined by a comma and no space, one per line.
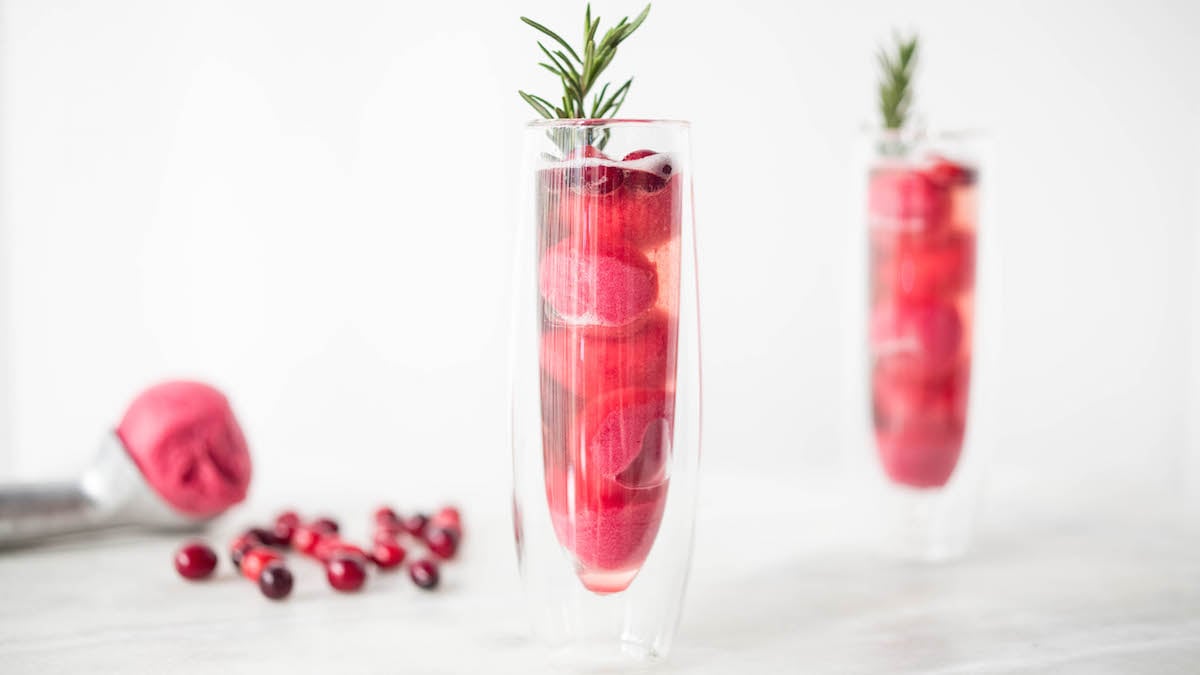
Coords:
644,180
326,525
306,538
332,547
242,543
385,517
442,541
388,555
256,559
195,560
416,523
447,517
948,173
267,536
285,526
346,573
383,536
289,518
275,582
424,573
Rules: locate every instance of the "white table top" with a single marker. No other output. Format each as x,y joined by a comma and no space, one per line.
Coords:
787,591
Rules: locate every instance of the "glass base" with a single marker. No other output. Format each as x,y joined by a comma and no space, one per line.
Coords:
605,657
925,525
607,582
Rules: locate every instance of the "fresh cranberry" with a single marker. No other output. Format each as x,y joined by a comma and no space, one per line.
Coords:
256,559
196,560
306,538
947,173
386,536
448,516
283,534
424,573
326,525
285,526
333,547
346,573
643,180
386,518
388,555
242,543
289,518
268,536
275,581
443,541
416,523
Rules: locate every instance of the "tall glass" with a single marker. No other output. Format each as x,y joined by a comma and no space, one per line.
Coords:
605,384
922,207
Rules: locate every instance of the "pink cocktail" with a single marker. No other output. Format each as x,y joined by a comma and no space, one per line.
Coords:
608,279
923,217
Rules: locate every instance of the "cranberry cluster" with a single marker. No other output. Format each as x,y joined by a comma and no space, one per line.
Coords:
259,553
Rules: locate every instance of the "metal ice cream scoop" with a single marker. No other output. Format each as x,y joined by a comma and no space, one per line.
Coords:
177,460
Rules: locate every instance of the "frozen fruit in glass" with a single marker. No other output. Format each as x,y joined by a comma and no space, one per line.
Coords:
595,283
922,246
609,281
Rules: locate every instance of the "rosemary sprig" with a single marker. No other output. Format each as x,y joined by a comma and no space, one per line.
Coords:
895,81
579,74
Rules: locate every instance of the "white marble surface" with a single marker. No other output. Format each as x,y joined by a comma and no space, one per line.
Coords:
778,587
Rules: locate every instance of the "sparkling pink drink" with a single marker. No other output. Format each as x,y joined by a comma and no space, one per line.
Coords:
608,277
923,217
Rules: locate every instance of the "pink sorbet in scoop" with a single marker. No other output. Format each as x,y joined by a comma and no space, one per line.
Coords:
187,443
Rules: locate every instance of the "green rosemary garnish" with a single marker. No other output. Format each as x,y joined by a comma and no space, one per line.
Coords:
895,80
578,74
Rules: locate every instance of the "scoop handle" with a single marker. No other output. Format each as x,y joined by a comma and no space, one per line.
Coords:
32,512
111,492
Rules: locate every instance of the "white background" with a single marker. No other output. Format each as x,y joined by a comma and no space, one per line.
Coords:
311,205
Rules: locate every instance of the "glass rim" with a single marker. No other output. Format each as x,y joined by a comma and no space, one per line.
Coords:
580,122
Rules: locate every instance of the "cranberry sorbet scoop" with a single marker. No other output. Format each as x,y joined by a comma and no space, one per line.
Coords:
185,440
